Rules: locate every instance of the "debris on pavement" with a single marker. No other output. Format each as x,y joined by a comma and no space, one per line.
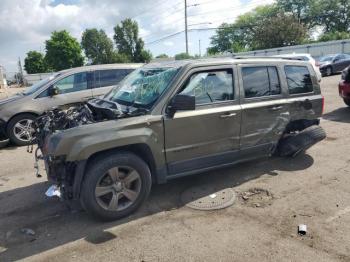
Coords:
28,231
257,197
302,229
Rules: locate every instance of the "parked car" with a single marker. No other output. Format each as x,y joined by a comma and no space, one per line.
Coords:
332,64
67,87
305,57
344,86
173,119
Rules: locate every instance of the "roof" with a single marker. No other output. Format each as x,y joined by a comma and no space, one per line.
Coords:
216,60
105,66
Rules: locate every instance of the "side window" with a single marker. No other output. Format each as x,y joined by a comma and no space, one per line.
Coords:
298,79
260,81
110,77
73,83
210,86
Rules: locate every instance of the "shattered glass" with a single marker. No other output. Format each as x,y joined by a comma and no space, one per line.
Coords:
143,86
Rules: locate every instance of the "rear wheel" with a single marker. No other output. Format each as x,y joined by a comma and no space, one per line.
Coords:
347,101
20,129
115,186
295,144
329,71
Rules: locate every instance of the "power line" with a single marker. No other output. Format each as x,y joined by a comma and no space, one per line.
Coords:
151,9
254,2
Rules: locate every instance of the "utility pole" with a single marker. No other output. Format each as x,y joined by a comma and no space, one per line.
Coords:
199,48
186,36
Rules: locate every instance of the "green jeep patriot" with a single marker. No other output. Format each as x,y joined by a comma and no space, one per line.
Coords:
177,118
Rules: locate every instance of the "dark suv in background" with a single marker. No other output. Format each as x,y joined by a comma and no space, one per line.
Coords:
76,85
332,64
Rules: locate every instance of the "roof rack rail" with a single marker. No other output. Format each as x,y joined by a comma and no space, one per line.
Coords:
264,57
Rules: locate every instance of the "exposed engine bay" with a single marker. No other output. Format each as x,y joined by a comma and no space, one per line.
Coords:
95,110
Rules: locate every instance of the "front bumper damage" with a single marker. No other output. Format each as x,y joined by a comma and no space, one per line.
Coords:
65,176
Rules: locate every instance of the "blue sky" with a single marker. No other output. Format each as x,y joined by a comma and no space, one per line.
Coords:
26,24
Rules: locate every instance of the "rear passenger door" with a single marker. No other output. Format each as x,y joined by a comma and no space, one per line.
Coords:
106,79
264,110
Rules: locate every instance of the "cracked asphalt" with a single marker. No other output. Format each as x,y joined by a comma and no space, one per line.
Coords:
311,189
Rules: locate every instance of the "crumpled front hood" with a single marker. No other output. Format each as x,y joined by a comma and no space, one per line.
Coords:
10,99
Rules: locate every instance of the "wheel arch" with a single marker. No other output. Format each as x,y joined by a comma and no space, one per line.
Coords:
141,150
36,114
300,124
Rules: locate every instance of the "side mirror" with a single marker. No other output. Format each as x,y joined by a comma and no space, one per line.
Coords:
53,91
181,102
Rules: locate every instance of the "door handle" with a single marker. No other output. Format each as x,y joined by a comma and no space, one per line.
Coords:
275,108
228,115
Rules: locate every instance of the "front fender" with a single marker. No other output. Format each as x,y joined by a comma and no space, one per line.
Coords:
89,145
85,141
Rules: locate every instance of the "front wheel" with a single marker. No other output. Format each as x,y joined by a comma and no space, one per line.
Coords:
20,129
329,71
347,101
115,186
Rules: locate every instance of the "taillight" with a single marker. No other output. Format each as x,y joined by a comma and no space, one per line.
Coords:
322,104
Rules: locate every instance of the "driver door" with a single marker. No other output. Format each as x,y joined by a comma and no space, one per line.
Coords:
209,135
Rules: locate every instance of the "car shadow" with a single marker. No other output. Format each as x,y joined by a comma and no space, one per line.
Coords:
338,115
30,223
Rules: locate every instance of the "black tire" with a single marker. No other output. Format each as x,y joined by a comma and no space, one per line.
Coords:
295,144
329,71
347,101
98,169
11,128
4,142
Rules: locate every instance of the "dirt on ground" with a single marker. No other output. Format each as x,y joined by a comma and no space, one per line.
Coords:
273,196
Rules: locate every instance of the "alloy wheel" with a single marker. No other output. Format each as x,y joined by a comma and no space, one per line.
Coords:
23,130
329,71
118,188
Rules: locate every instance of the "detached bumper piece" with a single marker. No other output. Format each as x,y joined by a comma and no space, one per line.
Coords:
294,144
53,190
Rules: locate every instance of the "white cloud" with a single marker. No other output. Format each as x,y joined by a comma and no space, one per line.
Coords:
26,24
168,43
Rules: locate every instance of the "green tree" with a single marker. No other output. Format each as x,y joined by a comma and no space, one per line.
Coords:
128,42
279,31
304,11
63,51
162,56
334,16
334,36
98,47
264,27
182,56
34,63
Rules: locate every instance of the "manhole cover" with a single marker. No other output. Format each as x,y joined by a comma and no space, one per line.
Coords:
205,198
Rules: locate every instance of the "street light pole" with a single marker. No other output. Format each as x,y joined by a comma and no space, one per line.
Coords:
186,36
199,46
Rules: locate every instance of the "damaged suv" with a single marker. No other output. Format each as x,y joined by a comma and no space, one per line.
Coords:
172,119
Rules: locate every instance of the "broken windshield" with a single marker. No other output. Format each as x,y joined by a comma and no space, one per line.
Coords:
143,86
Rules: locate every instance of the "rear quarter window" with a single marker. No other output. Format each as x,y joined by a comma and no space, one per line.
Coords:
110,77
298,79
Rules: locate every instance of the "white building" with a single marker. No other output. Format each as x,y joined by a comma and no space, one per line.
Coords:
3,82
